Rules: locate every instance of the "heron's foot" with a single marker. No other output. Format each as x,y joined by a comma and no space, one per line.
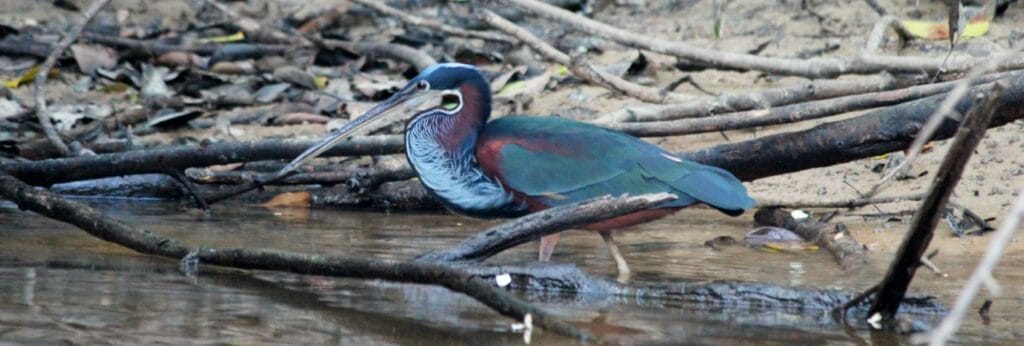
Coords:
620,262
547,247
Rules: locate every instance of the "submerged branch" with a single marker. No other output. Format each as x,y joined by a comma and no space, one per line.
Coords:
144,241
533,226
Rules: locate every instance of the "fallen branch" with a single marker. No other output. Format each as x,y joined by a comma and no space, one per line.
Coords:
579,65
432,24
144,241
875,133
794,112
908,258
811,68
878,132
44,72
533,226
736,102
837,240
981,275
159,160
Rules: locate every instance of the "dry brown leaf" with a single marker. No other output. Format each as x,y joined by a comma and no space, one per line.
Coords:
299,199
90,57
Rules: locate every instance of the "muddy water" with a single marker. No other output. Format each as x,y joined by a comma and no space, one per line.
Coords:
59,284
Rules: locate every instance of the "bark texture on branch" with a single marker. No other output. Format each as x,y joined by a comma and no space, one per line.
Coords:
878,132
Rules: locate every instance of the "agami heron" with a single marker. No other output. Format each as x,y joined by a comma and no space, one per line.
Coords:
520,164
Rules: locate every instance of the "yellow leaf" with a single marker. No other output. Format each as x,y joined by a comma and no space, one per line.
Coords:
512,87
927,30
562,70
238,36
976,29
29,76
320,82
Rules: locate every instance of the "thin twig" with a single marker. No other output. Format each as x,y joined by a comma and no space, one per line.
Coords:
383,8
896,24
874,42
982,273
44,72
580,66
811,68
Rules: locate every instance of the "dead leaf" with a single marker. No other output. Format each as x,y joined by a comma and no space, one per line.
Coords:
66,116
90,57
299,199
375,86
225,167
183,59
526,88
499,82
28,76
295,75
152,84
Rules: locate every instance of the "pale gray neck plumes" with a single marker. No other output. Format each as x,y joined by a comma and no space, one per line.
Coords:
444,158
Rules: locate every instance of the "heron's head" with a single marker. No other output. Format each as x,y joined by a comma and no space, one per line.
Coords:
448,88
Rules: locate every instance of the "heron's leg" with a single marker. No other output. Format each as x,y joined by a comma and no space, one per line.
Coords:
547,247
620,262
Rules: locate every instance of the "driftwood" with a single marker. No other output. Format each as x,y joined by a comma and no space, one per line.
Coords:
847,250
908,258
144,241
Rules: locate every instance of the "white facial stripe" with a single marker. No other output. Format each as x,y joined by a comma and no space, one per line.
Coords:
455,93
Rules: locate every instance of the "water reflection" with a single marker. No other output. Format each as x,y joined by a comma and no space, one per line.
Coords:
58,284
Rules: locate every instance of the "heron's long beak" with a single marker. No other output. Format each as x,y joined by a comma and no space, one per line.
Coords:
402,104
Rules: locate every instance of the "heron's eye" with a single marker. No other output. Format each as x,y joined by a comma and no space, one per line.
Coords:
450,102
422,85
